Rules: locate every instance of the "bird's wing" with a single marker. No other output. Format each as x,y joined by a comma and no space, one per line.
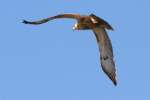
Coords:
106,53
101,22
72,16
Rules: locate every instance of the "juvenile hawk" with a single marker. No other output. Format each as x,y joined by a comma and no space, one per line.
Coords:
99,27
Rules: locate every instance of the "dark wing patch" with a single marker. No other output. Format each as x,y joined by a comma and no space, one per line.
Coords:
105,58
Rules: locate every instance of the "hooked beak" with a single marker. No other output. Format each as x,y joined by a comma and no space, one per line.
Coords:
73,28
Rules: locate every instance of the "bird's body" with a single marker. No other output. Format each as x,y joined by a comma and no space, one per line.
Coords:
99,27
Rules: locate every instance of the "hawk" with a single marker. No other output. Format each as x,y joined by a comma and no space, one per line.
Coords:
98,26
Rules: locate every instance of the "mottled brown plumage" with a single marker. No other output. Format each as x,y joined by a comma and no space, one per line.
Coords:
99,27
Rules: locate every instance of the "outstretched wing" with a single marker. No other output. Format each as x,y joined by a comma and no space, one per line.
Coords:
106,53
101,22
72,16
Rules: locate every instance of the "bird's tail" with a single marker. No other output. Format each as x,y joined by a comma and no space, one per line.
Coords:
102,22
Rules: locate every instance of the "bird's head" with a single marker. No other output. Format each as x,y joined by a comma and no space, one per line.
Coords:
81,26
75,27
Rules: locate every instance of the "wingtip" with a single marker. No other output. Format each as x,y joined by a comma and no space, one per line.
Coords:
25,22
115,82
113,78
112,29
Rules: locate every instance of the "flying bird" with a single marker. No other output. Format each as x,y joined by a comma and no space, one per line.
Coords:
98,26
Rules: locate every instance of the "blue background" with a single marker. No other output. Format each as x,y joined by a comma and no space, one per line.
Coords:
52,62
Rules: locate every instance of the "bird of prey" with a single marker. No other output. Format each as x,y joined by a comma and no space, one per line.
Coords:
99,26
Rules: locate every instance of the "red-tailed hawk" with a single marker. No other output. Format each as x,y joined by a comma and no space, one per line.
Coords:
99,27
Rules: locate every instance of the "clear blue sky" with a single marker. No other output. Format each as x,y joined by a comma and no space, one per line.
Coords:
52,62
